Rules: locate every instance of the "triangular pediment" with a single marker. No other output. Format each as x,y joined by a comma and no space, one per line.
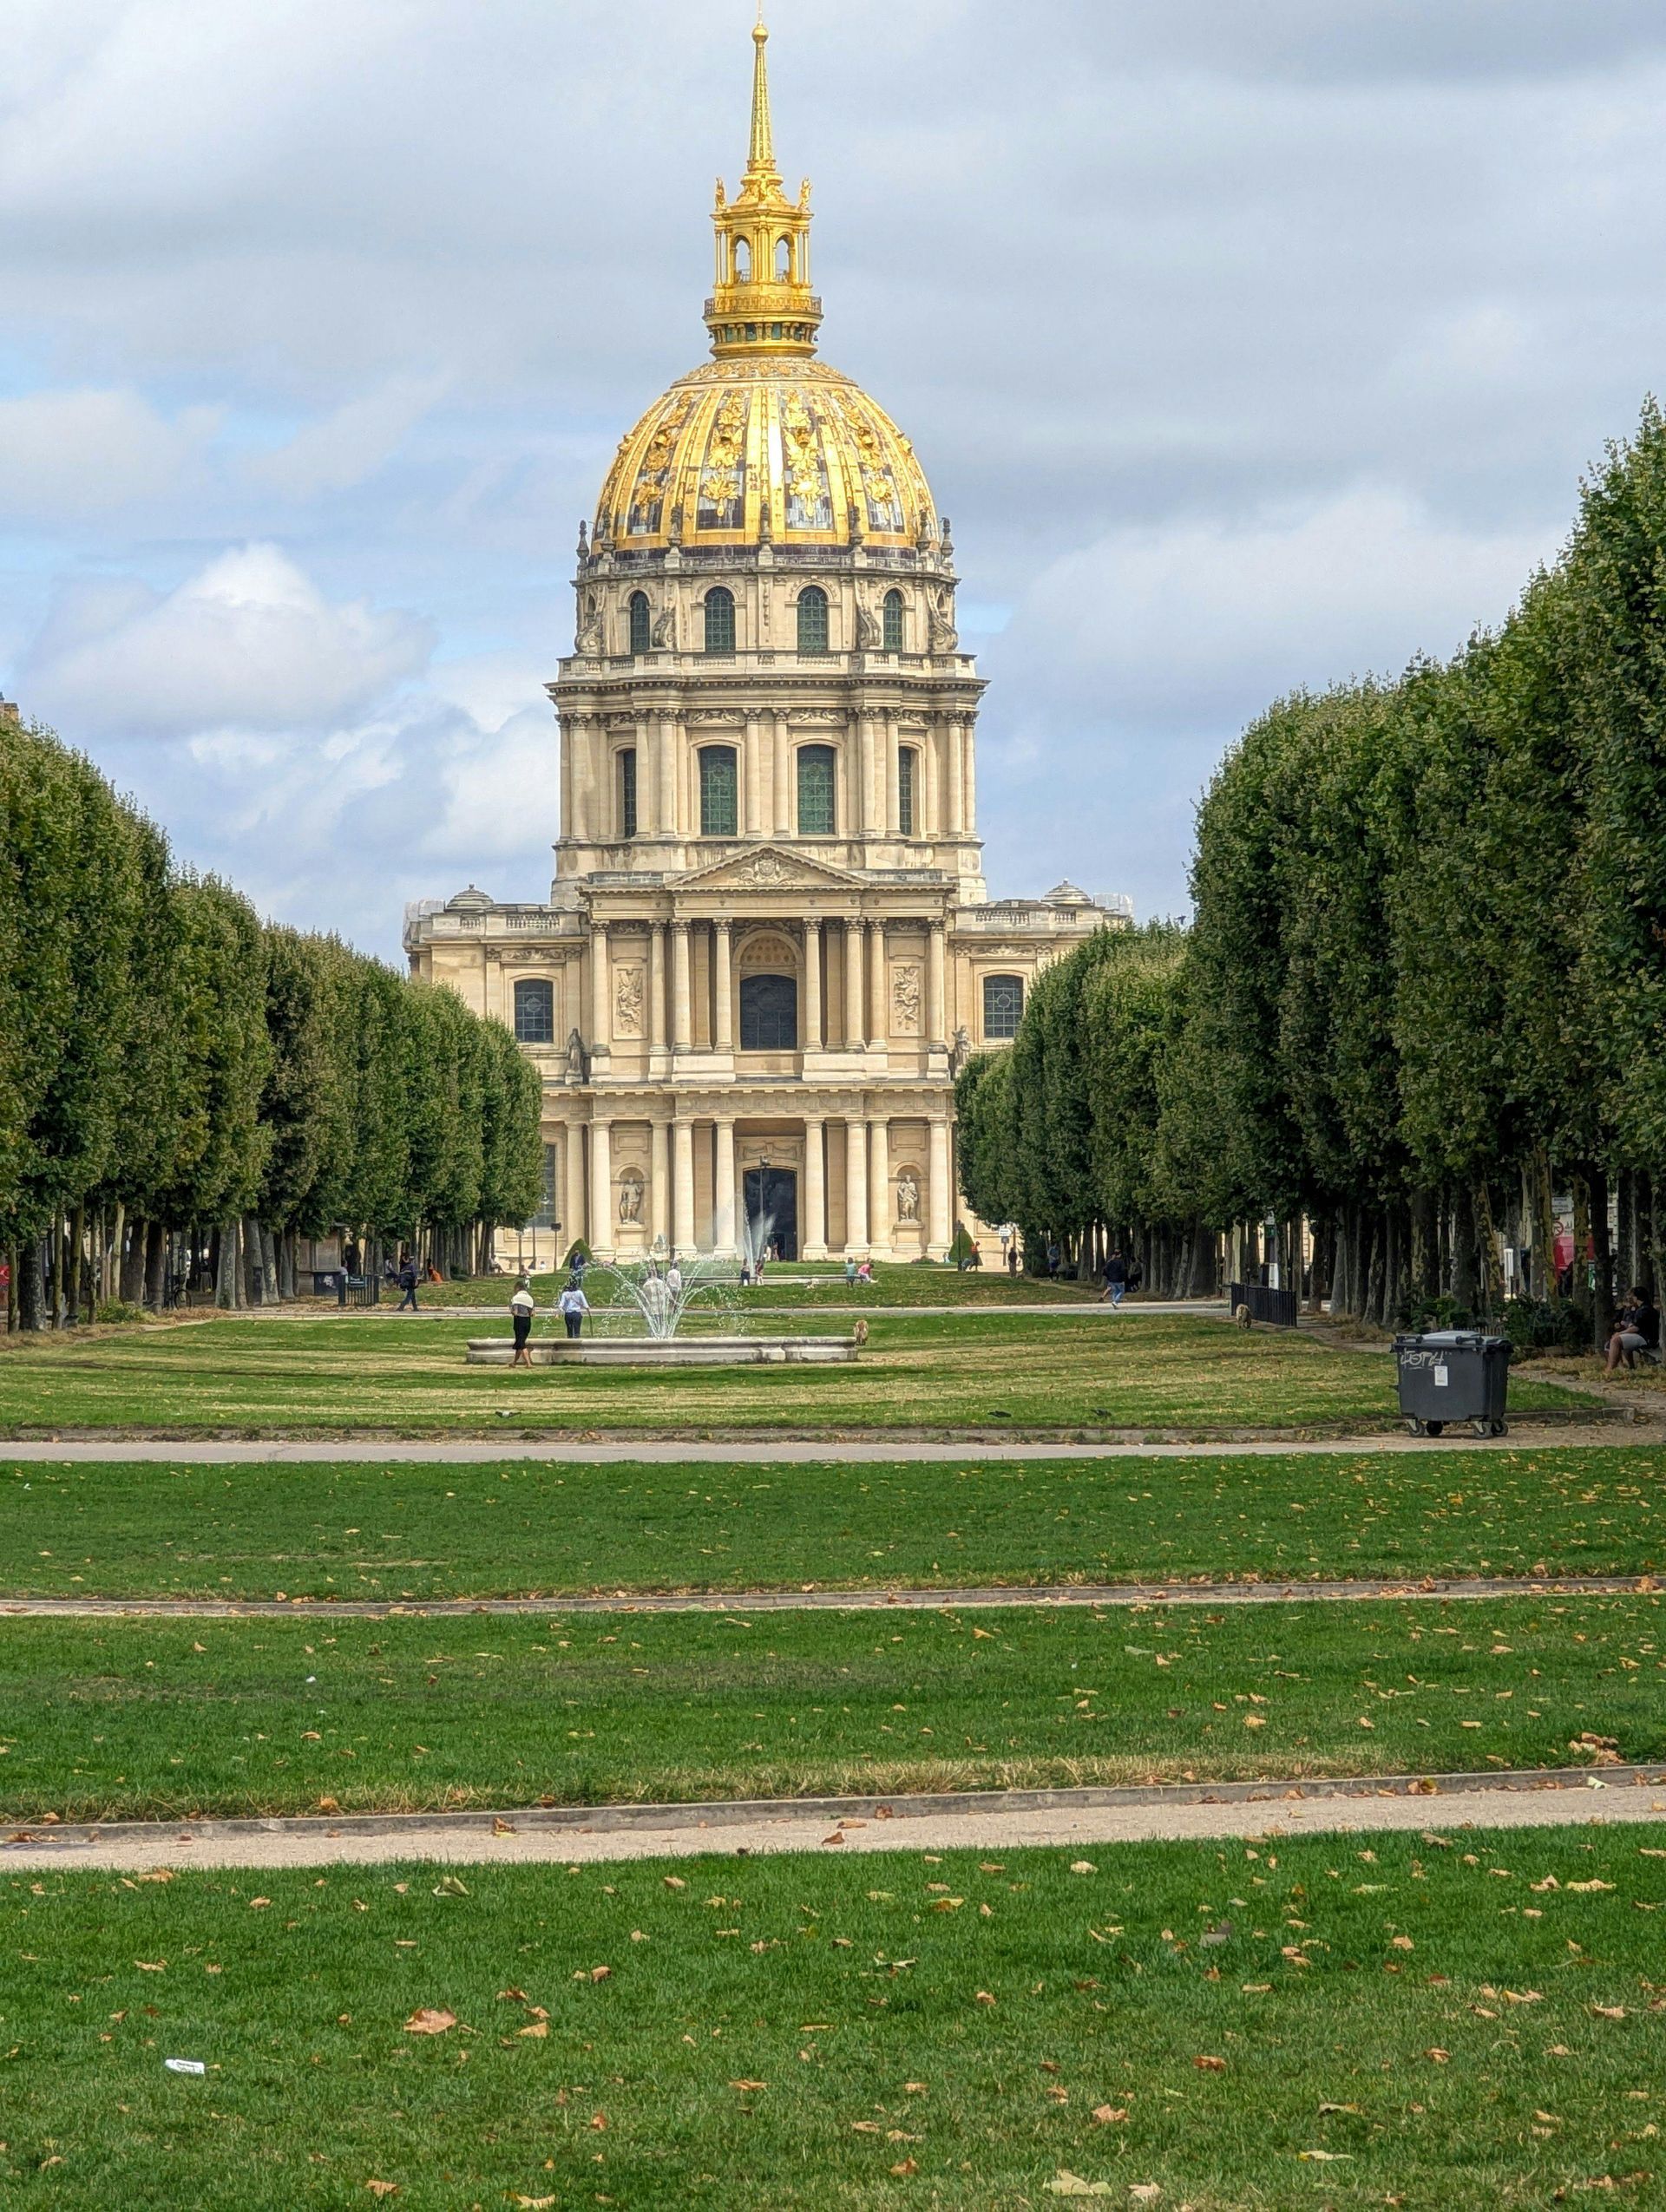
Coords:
769,868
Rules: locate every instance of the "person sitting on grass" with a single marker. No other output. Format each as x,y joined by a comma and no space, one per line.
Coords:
521,1308
1637,1329
865,1272
573,1305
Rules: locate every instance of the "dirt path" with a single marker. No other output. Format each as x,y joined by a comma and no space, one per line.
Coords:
1097,1595
1071,1819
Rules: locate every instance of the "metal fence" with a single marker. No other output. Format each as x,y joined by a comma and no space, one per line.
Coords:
1277,1307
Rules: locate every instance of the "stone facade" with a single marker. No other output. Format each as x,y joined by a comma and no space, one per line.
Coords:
768,944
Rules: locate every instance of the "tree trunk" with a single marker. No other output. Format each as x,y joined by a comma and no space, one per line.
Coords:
1492,1280
1602,1297
133,1263
1545,1283
154,1288
31,1283
226,1267
1582,1241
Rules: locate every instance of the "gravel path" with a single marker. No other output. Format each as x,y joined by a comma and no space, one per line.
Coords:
781,1452
1094,1594
1072,1819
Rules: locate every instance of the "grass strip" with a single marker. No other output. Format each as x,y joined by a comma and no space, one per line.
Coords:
1035,1371
131,1720
414,1530
1450,2024
899,1288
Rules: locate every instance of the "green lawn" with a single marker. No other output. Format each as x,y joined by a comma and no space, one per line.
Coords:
414,1530
128,1720
899,1287
950,2032
1028,1373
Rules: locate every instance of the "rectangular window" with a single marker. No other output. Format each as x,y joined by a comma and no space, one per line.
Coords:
627,792
546,1218
535,1012
816,789
1003,1005
720,792
905,767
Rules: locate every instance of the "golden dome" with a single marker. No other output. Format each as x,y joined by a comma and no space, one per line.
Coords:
764,442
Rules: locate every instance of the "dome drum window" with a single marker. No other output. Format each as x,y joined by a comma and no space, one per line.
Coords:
893,617
642,623
535,1012
719,619
1003,1007
812,619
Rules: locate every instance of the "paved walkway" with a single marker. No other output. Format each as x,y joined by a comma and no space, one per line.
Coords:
1097,1595
784,1450
1072,1819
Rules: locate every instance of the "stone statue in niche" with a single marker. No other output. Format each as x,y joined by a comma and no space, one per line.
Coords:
907,1196
868,630
945,638
627,1002
631,1191
961,1051
663,636
578,1060
588,639
905,998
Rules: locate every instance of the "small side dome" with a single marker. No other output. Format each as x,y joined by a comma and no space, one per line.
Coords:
471,901
1068,894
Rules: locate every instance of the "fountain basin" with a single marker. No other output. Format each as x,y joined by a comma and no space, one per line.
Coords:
667,1351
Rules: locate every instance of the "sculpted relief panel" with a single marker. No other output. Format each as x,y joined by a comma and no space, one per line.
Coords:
629,987
905,999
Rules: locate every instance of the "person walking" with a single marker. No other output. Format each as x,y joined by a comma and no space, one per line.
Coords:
573,1305
522,1305
1115,1278
407,1285
674,1280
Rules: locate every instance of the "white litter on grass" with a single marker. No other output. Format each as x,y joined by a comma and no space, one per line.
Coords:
184,2066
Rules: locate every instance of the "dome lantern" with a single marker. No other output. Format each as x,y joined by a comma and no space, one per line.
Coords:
761,302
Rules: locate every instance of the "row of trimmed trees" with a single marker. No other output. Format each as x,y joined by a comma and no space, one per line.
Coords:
1424,988
187,1091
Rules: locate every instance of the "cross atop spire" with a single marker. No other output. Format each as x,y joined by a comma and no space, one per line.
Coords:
761,163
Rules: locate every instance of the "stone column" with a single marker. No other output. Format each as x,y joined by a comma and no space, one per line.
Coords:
855,1181
956,781
971,744
682,1207
723,1190
865,777
941,1216
599,1024
682,996
813,1245
893,815
810,1041
667,825
879,1185
936,972
569,738
603,1232
659,1195
657,987
573,1224
754,816
723,1028
933,821
785,824
855,1001
879,1010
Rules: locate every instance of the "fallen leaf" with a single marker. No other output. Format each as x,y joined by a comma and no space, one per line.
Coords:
1065,2183
535,2203
259,1905
907,2166
383,2189
1608,2012
1402,1943
1084,1866
866,2127
538,2029
1323,2157
1210,2066
748,2085
430,2020
449,1887
1439,2055
983,1998
1339,2108
151,1965
1585,1889
1110,2116
1254,1720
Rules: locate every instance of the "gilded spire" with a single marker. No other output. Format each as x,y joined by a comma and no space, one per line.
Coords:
761,163
763,302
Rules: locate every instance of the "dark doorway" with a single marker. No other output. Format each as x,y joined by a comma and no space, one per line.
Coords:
773,1200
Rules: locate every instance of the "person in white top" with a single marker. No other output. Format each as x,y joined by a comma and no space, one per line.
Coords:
522,1307
574,1305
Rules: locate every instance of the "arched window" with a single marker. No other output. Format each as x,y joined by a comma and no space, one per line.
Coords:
719,619
783,261
627,792
768,1013
1003,1005
908,767
534,1013
896,635
641,627
817,769
742,262
719,781
812,619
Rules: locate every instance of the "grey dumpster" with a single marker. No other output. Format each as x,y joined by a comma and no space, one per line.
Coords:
1453,1376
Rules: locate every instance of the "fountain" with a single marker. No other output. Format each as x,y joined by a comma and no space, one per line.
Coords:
658,1293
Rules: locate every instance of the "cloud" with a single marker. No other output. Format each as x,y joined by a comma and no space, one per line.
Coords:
343,447
80,452
249,643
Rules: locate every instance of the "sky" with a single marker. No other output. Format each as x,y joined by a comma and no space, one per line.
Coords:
1247,348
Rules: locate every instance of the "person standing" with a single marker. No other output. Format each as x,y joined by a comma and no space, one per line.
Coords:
674,1280
521,1308
407,1285
574,1305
